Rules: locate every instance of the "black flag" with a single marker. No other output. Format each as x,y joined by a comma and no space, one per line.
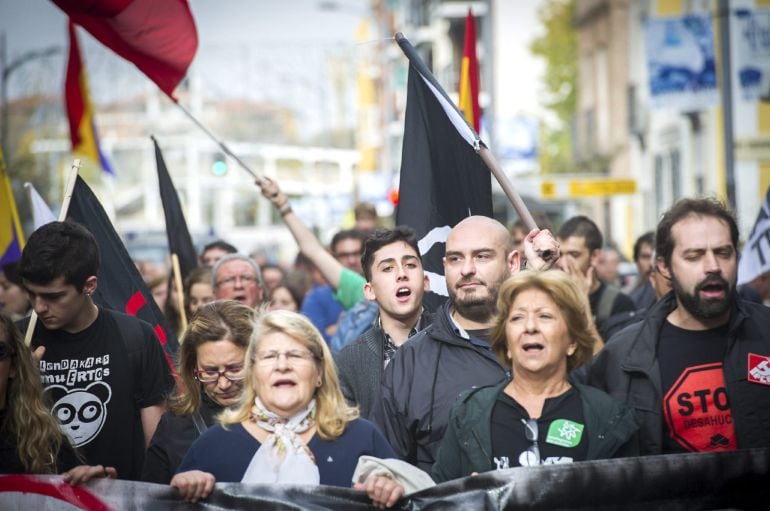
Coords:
120,286
443,179
179,240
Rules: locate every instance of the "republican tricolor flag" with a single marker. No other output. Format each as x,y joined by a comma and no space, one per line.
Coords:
469,77
85,141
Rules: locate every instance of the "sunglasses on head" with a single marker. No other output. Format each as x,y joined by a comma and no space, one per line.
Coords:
6,351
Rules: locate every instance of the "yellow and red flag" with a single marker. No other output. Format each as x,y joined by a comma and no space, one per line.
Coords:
80,112
157,36
11,236
469,77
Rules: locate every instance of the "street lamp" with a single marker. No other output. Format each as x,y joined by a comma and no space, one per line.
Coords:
7,70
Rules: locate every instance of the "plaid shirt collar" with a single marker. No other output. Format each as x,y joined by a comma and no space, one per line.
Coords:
389,347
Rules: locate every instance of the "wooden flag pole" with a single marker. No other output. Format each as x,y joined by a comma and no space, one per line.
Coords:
177,272
65,206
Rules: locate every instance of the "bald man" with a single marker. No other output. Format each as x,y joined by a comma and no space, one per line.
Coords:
428,372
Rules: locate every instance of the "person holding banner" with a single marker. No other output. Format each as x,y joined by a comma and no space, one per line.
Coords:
104,371
211,376
292,424
31,441
537,417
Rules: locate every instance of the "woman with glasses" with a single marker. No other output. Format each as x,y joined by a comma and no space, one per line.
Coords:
211,373
292,425
538,416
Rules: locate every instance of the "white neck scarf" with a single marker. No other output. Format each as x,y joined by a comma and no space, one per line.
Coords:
283,457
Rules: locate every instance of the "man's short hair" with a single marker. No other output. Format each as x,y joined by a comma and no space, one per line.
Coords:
346,234
648,238
707,206
221,245
60,249
234,257
382,237
582,227
364,210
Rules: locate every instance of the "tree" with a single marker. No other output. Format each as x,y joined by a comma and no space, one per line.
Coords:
558,47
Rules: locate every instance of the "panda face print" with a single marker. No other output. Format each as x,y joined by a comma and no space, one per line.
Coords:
81,412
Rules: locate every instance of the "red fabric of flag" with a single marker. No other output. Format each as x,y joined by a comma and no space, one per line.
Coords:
469,77
157,36
73,93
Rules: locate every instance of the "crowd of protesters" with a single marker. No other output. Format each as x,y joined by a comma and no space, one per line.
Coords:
289,375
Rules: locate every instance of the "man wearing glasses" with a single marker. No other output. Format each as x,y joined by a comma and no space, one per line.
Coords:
237,277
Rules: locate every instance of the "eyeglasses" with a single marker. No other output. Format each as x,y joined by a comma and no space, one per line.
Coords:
245,280
530,431
6,351
212,375
293,357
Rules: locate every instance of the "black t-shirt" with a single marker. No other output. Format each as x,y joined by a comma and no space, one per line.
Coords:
695,405
561,431
98,380
10,463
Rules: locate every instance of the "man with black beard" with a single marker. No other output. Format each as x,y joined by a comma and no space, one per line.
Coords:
427,373
697,368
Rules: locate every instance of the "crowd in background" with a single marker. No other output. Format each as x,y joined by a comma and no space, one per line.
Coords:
543,353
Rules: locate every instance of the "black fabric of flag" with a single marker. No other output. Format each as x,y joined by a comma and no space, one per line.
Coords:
119,286
179,240
443,180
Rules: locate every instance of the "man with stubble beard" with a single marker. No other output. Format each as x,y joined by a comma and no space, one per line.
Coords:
429,371
697,368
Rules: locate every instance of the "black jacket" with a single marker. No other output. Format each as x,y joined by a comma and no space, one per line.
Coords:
467,446
360,366
422,382
627,368
172,439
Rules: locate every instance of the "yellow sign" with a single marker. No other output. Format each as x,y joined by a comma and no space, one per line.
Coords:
577,188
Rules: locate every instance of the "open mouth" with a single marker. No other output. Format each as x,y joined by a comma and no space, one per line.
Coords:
403,293
284,384
532,347
713,290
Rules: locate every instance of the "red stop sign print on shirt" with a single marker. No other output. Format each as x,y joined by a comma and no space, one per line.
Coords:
697,410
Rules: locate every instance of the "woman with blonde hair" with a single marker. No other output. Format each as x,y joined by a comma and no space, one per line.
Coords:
211,373
31,441
541,332
292,424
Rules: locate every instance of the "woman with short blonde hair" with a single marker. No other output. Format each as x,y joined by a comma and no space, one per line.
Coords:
292,424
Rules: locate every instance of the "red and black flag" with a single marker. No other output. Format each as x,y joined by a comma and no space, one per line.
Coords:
179,240
120,286
443,178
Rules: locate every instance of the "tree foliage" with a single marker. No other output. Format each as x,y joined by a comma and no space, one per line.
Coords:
558,47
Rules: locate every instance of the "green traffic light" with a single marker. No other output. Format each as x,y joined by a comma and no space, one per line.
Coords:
219,168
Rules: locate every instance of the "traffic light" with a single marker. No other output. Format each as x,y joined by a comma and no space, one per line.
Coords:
219,165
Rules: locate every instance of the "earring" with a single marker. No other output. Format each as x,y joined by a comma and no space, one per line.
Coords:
318,383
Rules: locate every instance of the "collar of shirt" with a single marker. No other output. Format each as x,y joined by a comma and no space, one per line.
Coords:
389,347
464,334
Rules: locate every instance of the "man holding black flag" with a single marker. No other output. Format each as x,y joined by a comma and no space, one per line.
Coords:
103,371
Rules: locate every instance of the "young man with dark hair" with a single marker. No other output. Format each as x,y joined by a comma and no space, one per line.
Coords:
396,282
104,371
643,295
581,245
697,368
215,251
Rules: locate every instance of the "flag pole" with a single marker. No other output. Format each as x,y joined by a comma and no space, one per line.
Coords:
177,272
479,147
219,142
65,205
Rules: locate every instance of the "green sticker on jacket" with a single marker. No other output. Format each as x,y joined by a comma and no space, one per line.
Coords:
564,433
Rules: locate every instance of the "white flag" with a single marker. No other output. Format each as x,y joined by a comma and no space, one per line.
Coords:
41,213
755,259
